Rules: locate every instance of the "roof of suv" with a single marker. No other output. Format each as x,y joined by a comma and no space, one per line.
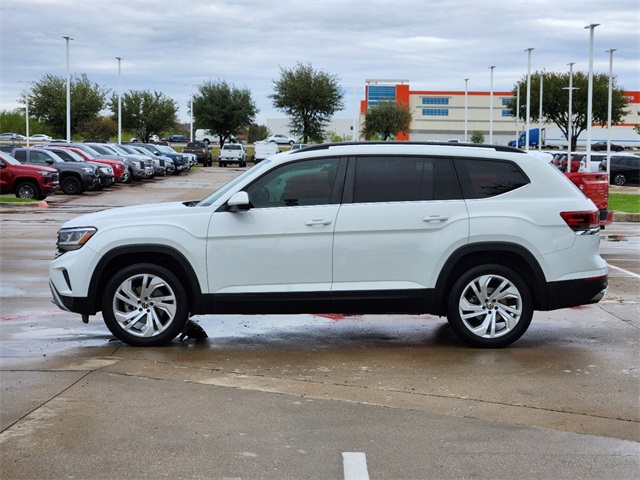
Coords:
378,144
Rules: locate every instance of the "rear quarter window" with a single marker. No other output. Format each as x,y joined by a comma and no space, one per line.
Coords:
484,178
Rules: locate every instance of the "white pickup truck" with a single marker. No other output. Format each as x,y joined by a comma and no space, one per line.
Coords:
232,153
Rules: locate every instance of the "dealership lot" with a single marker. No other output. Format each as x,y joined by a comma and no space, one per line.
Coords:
285,396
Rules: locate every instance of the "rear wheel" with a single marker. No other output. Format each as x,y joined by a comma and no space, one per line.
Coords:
490,306
145,305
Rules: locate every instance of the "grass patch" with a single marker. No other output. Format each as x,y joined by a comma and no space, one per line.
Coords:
624,202
12,199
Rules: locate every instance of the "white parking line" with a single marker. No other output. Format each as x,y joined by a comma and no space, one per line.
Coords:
355,466
631,274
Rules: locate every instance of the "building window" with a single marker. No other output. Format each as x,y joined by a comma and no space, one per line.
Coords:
505,101
506,113
381,93
435,112
435,100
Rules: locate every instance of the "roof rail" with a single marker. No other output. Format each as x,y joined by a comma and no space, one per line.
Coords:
325,146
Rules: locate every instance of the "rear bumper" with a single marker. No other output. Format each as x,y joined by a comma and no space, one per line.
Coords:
573,293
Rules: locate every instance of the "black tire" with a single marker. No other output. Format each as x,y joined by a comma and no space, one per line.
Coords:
28,189
206,142
155,323
291,143
481,319
619,179
128,176
71,186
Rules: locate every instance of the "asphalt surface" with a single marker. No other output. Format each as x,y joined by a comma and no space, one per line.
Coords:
291,396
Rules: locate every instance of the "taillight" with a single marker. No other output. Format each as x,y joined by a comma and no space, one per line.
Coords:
582,222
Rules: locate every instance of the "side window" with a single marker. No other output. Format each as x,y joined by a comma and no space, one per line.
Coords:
308,182
483,178
39,158
21,156
403,179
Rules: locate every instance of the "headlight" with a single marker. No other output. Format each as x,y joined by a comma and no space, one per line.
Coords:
45,173
74,238
87,169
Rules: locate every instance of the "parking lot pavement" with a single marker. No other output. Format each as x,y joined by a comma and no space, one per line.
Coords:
284,396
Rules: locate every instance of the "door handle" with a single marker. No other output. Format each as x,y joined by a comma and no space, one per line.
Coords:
435,218
320,222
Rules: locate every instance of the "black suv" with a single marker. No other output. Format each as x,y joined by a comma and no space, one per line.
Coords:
624,169
74,178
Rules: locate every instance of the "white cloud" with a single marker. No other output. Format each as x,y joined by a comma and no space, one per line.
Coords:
434,44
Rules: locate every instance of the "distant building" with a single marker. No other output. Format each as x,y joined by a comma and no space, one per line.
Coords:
440,114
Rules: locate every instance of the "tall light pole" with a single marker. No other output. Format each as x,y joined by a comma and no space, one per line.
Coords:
540,114
571,88
491,107
518,115
611,50
528,96
191,111
26,103
591,27
466,107
68,92
119,102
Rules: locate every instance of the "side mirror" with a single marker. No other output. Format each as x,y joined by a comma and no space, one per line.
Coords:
49,161
239,202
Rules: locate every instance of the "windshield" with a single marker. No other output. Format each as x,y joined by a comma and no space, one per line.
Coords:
9,159
85,148
164,148
69,154
213,198
102,149
119,149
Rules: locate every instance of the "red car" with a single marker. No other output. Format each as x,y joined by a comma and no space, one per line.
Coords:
27,181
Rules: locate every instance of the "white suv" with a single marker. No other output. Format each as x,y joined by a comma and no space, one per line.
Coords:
483,235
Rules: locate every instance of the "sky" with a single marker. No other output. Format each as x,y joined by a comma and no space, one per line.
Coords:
173,46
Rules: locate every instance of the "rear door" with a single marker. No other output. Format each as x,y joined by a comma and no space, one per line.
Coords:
401,218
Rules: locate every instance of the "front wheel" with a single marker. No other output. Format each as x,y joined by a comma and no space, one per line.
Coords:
28,189
619,179
71,186
145,305
490,306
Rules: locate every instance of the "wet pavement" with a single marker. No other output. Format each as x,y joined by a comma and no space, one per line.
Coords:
283,396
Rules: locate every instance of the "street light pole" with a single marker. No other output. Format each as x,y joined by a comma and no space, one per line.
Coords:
591,27
68,92
466,107
571,88
191,110
540,114
609,107
518,115
119,102
528,97
491,107
26,102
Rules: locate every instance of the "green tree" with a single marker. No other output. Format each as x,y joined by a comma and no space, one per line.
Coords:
635,127
555,101
99,129
385,120
223,109
309,98
477,137
48,102
145,113
257,132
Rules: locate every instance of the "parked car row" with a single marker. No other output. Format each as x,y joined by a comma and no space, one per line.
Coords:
625,168
73,168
